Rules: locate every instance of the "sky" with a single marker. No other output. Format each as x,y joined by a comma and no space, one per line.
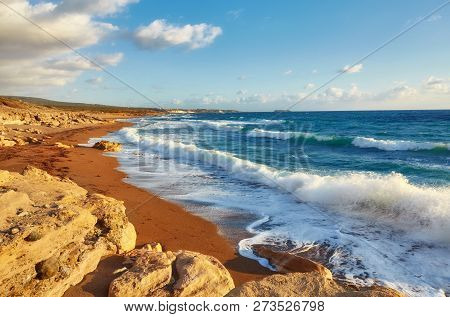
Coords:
253,55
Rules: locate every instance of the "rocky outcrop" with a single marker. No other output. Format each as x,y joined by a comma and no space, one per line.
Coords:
18,112
180,274
52,233
312,284
108,146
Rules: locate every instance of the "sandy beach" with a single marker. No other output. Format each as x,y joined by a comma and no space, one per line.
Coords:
73,226
154,218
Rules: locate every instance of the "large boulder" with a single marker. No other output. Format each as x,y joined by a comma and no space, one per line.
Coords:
108,146
52,233
151,271
200,275
180,274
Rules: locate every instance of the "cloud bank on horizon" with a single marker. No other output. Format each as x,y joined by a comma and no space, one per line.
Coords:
262,57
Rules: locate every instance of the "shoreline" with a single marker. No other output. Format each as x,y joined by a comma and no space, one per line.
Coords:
155,219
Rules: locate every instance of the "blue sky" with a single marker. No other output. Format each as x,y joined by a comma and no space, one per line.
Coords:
244,55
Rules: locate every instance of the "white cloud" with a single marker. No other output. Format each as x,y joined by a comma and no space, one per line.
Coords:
21,39
69,63
94,7
76,63
398,93
436,85
352,69
159,35
310,86
30,57
333,93
314,71
288,72
95,80
109,59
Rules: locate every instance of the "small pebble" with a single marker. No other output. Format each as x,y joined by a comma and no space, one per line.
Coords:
15,230
123,269
23,214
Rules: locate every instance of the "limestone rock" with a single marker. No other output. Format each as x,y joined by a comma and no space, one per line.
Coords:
113,222
133,255
52,233
32,140
200,275
108,146
160,274
312,284
63,146
151,271
5,142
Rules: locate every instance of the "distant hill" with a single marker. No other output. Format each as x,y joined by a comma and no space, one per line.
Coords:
77,106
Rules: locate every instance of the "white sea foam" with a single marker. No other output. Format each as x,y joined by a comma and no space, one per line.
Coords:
397,145
385,199
195,124
361,142
285,135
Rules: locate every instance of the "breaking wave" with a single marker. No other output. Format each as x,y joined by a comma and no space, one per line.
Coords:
388,199
361,142
285,135
398,145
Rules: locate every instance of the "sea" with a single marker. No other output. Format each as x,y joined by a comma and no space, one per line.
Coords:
365,193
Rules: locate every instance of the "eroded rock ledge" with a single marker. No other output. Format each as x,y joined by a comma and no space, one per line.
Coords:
52,233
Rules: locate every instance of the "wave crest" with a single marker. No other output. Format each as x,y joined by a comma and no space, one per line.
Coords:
397,145
361,142
388,199
285,135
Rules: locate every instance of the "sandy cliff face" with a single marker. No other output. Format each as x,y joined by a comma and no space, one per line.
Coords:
52,233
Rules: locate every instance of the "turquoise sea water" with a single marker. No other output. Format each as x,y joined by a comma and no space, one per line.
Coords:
365,193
